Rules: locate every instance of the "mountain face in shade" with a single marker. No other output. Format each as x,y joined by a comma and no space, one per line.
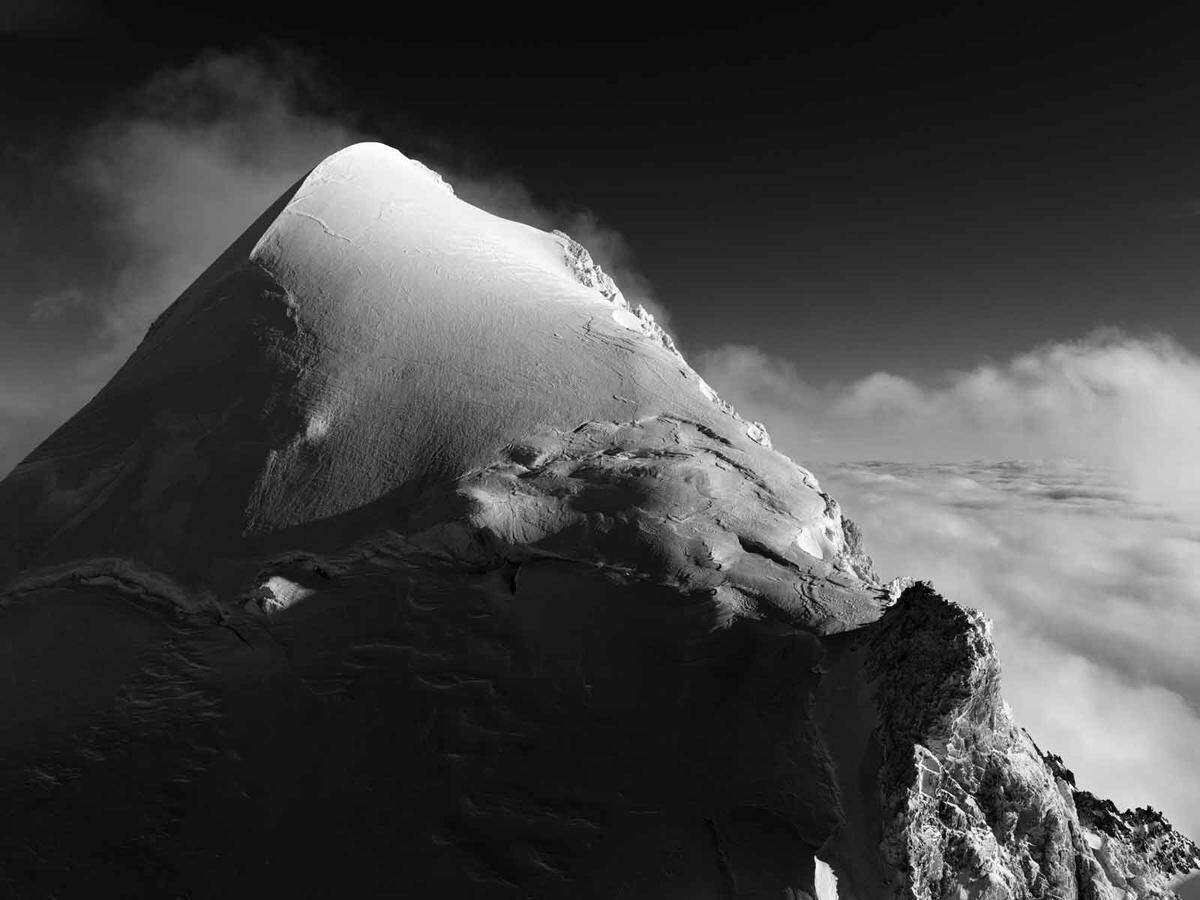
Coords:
405,558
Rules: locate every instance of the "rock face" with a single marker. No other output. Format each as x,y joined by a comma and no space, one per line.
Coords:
405,558
969,806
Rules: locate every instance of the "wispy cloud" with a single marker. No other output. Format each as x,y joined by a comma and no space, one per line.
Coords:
167,177
190,160
1130,404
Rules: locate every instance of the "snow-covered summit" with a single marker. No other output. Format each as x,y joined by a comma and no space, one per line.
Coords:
370,336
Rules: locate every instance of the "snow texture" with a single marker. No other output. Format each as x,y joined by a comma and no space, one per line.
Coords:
403,557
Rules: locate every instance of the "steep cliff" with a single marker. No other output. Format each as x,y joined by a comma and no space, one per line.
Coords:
969,806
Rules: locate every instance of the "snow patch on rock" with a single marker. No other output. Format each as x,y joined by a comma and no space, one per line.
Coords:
897,586
277,594
626,319
825,882
317,427
757,432
806,542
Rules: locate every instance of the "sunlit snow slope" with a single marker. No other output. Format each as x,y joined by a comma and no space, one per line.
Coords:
368,337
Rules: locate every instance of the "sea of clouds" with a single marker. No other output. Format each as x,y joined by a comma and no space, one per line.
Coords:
1057,492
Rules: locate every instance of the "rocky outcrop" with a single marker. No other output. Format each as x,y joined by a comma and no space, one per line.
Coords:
969,806
1139,850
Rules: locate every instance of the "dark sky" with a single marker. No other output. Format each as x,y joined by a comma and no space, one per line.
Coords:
852,192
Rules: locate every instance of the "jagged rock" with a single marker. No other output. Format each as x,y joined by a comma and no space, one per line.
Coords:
404,558
970,807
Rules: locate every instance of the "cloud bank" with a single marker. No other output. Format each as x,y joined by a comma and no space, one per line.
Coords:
1085,554
1095,601
1110,400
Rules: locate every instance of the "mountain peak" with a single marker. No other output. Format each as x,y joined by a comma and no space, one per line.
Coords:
369,338
404,552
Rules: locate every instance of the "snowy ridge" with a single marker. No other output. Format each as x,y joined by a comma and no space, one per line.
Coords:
434,175
589,273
